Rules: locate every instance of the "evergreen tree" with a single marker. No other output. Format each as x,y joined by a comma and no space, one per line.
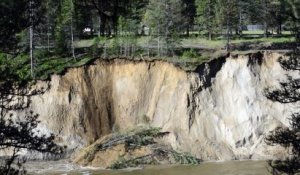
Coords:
189,13
294,7
64,26
19,132
206,12
109,13
164,17
228,19
280,14
15,18
34,13
287,137
243,11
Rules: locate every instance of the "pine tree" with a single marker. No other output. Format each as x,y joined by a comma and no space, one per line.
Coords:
206,12
34,12
294,7
228,19
17,16
64,25
189,13
164,17
287,137
19,133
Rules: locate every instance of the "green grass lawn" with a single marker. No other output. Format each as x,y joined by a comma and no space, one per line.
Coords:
203,43
285,39
261,32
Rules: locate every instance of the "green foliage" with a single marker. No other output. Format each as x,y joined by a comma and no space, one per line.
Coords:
42,54
165,19
95,47
60,41
141,138
207,16
46,65
189,12
153,159
57,65
62,27
294,7
15,18
228,18
16,67
128,35
19,133
185,158
123,163
114,46
191,53
287,137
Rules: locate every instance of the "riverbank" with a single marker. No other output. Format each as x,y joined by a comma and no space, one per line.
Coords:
246,167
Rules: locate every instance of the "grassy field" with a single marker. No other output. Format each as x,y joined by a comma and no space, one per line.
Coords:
261,32
249,37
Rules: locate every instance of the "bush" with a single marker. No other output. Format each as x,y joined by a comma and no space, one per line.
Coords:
114,47
42,53
191,53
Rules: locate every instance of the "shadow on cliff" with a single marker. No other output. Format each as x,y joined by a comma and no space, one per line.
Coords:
98,114
208,71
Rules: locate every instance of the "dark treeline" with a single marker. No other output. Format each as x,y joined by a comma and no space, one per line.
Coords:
59,18
59,22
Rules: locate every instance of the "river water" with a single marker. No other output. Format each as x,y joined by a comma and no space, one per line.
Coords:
208,168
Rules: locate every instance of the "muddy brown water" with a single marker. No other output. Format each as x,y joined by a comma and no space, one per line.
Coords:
208,168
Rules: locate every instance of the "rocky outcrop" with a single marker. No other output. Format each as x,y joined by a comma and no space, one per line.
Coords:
217,112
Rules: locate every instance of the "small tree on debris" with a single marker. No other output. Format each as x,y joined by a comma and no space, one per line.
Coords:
19,133
288,137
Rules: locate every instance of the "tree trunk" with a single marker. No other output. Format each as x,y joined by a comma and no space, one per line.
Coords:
105,54
158,47
228,32
99,32
210,22
158,40
279,26
188,31
48,40
148,46
265,19
72,40
31,38
102,24
31,50
266,30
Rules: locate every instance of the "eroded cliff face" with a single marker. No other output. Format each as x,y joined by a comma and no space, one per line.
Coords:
217,112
